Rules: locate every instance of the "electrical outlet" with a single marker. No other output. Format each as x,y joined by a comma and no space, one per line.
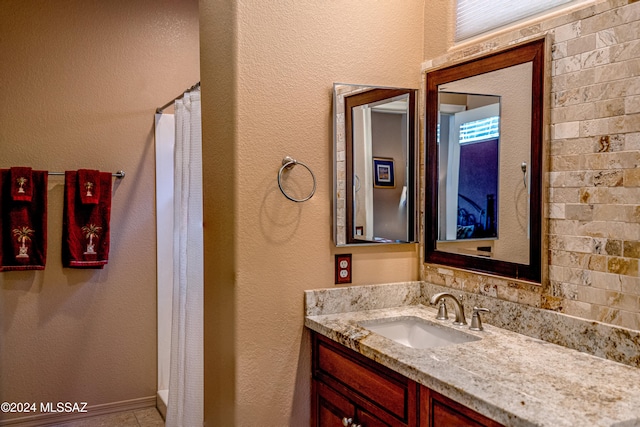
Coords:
343,268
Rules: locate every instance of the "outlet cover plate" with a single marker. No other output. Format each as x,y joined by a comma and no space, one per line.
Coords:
343,268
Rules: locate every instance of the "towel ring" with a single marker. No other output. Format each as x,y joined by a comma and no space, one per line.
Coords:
288,163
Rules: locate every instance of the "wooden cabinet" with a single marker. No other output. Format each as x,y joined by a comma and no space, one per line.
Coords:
347,385
351,389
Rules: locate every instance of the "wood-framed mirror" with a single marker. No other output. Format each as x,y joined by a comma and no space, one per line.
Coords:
484,148
375,165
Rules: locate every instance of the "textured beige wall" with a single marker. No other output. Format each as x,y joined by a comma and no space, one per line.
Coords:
439,27
273,98
593,184
80,83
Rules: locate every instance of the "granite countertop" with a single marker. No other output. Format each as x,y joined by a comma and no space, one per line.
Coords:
511,378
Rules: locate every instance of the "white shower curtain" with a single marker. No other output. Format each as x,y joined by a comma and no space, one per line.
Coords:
186,384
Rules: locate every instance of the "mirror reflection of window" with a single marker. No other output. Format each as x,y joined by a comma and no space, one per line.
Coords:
467,214
478,179
469,146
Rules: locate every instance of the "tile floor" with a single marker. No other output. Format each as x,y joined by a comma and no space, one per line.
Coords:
149,417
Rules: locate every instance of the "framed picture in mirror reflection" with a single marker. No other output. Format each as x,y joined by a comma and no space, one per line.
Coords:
384,174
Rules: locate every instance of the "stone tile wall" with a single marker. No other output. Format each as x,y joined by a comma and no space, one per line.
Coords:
593,178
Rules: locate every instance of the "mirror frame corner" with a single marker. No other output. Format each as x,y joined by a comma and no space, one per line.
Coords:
531,51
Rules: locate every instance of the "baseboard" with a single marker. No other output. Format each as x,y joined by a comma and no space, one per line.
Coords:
161,403
44,419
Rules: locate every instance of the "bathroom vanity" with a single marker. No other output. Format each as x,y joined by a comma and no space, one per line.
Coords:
362,378
351,390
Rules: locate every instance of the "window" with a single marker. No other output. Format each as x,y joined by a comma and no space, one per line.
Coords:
474,17
479,130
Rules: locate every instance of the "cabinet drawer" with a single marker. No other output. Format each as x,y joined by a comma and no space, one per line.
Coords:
339,366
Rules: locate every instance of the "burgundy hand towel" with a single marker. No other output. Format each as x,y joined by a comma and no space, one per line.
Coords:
85,227
23,223
89,186
21,184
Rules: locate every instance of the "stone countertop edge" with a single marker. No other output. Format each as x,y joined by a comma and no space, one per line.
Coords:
511,378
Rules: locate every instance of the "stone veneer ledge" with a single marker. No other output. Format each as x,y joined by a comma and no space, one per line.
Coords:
358,298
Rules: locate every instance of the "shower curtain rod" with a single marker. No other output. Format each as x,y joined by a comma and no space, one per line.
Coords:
160,109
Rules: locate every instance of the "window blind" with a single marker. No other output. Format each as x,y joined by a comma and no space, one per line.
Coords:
480,130
474,17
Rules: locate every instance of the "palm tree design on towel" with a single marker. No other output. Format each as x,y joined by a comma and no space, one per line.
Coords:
91,231
89,186
24,234
21,182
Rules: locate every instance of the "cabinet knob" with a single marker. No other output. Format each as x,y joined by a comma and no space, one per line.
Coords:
348,422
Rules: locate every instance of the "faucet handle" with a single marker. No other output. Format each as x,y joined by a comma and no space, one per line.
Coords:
476,321
442,311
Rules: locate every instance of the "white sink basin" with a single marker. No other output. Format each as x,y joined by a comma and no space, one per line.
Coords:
416,332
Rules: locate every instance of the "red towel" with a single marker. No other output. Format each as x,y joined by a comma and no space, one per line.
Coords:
85,228
21,184
23,223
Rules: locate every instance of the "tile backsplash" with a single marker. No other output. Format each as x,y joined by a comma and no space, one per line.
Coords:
597,338
592,188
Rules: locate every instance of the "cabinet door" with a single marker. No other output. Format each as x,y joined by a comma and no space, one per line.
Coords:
378,391
330,407
437,410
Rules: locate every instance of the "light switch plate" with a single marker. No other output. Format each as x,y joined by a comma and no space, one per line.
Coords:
343,268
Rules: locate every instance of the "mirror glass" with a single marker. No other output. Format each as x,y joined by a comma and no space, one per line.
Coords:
484,136
468,148
374,168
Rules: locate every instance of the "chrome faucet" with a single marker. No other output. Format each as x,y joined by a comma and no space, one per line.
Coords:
457,305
